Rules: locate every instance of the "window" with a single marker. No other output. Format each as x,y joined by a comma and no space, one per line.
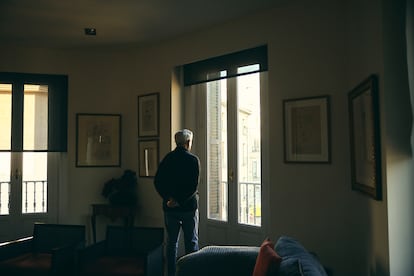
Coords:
231,126
33,119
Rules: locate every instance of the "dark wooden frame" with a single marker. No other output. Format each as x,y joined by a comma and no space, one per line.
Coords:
148,164
108,144
148,115
364,122
316,110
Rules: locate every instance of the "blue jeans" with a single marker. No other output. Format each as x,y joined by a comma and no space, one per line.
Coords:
188,221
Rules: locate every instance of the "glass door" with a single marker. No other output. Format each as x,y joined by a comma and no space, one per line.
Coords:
231,157
234,104
23,174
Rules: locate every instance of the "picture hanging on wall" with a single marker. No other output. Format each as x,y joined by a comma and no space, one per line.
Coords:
363,104
98,140
148,157
307,130
148,115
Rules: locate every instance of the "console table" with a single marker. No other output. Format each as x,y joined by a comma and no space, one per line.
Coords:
113,212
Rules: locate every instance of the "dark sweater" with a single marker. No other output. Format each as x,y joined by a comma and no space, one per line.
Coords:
177,177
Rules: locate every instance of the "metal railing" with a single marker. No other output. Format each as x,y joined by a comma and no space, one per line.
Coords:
250,211
34,196
4,197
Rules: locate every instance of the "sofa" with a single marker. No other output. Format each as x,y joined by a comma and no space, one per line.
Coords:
287,257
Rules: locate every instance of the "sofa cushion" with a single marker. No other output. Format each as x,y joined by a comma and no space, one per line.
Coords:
219,260
267,259
290,267
290,249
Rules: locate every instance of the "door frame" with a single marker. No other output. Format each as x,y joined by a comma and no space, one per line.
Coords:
230,232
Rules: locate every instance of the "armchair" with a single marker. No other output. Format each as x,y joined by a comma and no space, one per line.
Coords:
50,251
125,251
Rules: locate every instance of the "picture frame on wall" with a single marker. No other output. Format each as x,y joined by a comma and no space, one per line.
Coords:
148,157
364,122
98,140
307,130
148,115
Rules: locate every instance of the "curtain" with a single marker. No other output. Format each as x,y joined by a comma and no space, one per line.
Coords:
409,32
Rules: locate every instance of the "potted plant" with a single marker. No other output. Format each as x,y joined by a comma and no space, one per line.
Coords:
122,191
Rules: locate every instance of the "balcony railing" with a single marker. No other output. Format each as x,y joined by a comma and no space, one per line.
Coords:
250,207
34,197
4,197
249,203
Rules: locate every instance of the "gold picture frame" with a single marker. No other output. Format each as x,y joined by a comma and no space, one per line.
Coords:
364,122
98,140
307,130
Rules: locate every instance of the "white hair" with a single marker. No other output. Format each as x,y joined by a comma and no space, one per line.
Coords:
182,136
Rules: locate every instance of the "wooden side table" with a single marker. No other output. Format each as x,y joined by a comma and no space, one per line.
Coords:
113,212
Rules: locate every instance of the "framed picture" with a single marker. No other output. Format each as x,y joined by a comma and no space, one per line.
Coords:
98,140
148,115
363,104
148,157
307,130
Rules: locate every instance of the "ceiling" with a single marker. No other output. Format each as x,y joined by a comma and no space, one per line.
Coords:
61,23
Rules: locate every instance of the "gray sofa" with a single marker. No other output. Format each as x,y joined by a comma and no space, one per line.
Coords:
240,260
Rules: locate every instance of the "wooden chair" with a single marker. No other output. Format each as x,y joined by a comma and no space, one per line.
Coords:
50,251
126,251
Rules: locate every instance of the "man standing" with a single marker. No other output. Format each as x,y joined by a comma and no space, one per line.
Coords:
176,181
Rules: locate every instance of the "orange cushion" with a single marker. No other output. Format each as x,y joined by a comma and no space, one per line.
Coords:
267,259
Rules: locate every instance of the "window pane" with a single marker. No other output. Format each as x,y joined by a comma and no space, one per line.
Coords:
217,150
34,189
249,152
35,120
5,116
4,183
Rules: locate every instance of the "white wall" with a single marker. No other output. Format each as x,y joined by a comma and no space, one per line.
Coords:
364,56
313,50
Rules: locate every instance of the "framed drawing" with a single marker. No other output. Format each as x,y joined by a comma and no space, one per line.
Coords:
307,130
98,140
148,157
148,115
363,104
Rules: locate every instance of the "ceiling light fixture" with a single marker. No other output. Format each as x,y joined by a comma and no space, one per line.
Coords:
90,31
